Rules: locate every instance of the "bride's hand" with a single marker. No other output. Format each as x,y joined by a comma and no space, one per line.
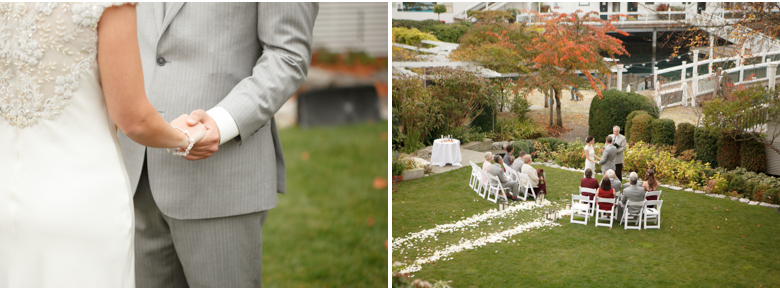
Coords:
196,132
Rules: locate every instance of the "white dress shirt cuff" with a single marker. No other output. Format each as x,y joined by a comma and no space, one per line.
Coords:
228,129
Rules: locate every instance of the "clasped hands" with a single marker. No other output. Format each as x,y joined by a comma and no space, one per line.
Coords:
204,130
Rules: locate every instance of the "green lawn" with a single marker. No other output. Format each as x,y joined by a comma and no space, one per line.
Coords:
689,250
330,229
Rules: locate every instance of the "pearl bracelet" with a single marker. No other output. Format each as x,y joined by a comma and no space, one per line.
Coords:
189,139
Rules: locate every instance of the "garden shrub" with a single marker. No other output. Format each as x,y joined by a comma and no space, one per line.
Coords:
641,128
728,151
772,195
686,155
424,25
412,36
663,132
760,193
683,137
750,187
508,129
612,110
449,32
523,145
550,142
418,112
753,155
629,122
668,170
706,146
737,184
570,154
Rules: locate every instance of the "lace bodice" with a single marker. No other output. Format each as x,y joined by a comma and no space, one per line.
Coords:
44,50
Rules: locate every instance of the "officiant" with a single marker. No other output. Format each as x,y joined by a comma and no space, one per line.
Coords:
619,141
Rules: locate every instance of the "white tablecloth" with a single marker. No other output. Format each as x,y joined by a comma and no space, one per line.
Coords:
444,153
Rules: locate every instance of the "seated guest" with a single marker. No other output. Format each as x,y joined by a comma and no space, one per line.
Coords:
633,193
530,171
606,191
498,171
486,165
650,184
589,182
511,160
518,164
613,180
507,160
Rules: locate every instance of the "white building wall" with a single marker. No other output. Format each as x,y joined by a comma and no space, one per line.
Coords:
457,7
354,26
772,159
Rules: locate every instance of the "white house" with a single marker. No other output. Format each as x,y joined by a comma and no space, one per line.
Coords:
352,26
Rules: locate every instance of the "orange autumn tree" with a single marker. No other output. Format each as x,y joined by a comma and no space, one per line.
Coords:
571,44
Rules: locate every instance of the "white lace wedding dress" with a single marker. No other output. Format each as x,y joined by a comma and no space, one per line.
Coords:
66,212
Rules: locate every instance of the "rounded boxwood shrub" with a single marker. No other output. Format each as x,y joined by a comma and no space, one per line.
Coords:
706,146
738,184
612,110
753,155
523,145
772,195
683,137
629,122
553,143
641,128
728,152
663,132
750,187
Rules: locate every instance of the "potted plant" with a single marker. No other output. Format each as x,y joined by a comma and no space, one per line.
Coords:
398,170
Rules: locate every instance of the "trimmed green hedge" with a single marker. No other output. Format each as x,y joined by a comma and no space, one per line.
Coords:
753,155
641,128
629,122
683,137
523,145
663,132
706,146
613,109
728,152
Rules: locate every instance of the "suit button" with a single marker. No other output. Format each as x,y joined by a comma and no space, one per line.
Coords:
161,61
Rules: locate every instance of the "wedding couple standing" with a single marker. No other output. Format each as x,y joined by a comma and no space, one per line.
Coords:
84,206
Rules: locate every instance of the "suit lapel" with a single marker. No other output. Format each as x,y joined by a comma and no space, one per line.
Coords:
172,8
157,7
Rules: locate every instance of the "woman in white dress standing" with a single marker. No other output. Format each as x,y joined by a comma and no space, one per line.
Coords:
590,154
66,210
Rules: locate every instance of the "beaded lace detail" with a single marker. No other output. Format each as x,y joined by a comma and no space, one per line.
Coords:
44,50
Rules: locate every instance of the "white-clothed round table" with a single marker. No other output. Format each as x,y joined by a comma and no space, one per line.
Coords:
446,152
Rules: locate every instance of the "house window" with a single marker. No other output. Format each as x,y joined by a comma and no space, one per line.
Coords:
632,6
615,6
603,7
418,6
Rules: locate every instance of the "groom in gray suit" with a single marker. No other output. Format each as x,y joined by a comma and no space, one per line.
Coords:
607,161
199,224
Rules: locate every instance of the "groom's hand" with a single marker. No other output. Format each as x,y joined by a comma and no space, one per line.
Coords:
210,143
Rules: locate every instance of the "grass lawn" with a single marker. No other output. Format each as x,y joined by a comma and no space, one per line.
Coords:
330,229
689,250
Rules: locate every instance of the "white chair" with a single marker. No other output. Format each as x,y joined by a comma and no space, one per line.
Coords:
473,180
648,194
589,190
511,174
632,217
580,208
483,186
526,188
496,190
653,213
605,215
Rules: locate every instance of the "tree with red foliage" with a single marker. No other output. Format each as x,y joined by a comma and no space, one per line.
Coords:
571,43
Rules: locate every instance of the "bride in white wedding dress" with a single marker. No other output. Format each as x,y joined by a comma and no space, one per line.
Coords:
66,211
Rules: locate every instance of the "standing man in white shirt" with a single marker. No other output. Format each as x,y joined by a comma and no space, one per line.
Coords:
619,141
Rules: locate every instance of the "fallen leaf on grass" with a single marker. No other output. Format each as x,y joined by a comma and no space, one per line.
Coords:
380,183
385,244
383,136
370,220
305,156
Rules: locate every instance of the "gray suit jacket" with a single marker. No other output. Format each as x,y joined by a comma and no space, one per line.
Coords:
497,171
633,193
608,159
620,140
247,58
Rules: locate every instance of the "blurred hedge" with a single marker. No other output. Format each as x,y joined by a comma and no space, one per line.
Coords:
728,151
629,119
641,128
706,146
753,155
663,132
684,137
612,110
